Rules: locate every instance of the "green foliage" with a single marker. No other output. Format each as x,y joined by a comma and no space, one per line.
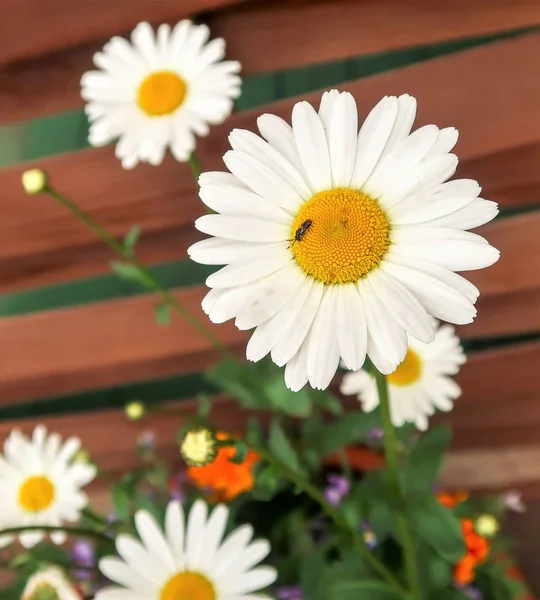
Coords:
374,589
281,447
162,314
425,460
437,526
131,239
128,272
240,454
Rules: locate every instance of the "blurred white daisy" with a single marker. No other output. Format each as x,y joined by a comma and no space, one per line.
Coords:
420,384
513,501
188,560
50,583
159,91
40,484
338,242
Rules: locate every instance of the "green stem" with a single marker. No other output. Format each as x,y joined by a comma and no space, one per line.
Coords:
390,445
74,531
158,288
340,521
195,167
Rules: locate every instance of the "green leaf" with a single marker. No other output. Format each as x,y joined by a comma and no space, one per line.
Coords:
311,568
295,404
131,239
425,459
121,501
373,589
281,447
327,401
254,432
266,483
349,428
129,272
381,519
437,526
240,381
162,314
241,452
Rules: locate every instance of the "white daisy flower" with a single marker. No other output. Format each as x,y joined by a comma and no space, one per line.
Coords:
159,91
188,560
49,583
40,484
419,385
339,243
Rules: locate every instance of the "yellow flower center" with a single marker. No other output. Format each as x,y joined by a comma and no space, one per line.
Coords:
188,586
36,493
408,371
341,235
161,93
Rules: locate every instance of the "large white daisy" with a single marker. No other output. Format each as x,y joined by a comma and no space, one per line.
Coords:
189,560
40,484
339,242
420,384
49,583
159,91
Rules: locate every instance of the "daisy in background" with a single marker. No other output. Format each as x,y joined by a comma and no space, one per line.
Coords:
159,91
420,384
50,584
338,242
40,484
187,560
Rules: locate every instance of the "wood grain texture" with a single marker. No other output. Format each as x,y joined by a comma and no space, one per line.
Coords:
101,345
37,27
45,244
264,36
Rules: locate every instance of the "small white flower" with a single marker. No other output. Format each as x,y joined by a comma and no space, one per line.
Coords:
159,91
53,581
189,560
420,384
40,484
34,181
339,242
513,501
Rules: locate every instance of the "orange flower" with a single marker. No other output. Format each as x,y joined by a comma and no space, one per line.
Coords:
477,549
223,478
452,500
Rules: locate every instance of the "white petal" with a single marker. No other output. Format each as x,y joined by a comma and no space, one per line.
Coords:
255,267
290,344
257,176
326,107
152,537
229,302
256,579
235,543
270,296
116,570
195,531
372,139
249,142
342,135
231,200
217,251
140,559
246,229
174,532
279,135
323,350
403,306
403,123
351,326
312,146
477,213
268,334
447,139
296,375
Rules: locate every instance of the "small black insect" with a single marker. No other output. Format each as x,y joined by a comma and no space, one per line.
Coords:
301,231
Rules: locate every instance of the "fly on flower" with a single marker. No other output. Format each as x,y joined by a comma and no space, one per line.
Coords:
381,262
301,231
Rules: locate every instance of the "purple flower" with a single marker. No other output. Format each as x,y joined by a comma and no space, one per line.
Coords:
83,554
471,591
147,441
369,535
375,434
338,487
289,592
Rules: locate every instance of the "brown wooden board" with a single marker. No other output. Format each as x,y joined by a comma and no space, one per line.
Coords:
32,28
40,243
264,36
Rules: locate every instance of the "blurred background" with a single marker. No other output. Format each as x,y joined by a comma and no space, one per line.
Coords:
77,344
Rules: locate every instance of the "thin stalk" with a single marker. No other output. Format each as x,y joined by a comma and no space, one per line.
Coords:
195,167
158,288
390,445
340,521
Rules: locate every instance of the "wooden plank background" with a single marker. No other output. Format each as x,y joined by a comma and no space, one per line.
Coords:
490,92
264,36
